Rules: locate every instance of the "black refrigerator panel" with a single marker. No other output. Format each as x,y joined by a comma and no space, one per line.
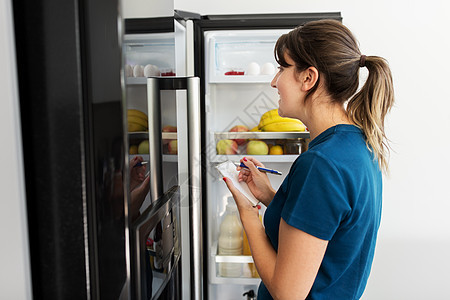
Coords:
69,68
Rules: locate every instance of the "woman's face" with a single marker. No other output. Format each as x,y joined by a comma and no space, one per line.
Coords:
286,81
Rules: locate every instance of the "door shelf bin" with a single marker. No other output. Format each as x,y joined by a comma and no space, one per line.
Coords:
240,259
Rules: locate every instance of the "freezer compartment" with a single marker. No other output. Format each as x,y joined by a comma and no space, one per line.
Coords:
149,55
241,56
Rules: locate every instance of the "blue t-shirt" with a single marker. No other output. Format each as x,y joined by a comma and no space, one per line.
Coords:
333,192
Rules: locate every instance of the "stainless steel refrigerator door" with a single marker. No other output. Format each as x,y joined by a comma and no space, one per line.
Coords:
190,177
154,264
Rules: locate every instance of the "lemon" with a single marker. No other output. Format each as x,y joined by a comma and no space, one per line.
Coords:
133,149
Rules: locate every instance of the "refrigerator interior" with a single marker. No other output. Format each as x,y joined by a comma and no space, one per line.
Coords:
239,68
157,55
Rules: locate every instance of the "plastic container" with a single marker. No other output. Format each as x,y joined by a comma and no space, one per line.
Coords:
246,251
230,241
295,146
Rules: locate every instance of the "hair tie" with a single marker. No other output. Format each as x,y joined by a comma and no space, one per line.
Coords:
362,61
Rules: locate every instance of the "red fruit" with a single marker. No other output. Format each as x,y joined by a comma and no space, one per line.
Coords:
239,128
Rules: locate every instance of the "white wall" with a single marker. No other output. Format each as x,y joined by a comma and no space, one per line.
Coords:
15,279
412,257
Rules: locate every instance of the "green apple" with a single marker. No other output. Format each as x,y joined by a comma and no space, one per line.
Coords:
226,147
257,148
143,147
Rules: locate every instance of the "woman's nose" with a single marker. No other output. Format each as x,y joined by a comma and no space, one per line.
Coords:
273,83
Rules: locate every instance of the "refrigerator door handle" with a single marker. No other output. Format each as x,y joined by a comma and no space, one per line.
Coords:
154,138
195,185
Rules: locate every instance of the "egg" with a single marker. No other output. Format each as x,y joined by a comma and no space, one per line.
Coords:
128,71
151,70
253,69
268,69
138,71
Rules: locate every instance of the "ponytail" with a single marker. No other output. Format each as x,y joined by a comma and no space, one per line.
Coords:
332,49
369,106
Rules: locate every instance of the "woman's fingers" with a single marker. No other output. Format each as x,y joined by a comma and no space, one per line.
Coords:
230,186
253,160
251,166
240,199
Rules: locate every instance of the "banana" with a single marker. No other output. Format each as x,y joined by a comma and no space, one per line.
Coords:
132,127
137,113
138,120
256,128
283,126
277,120
272,116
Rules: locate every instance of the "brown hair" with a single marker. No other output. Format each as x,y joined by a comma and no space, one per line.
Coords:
332,49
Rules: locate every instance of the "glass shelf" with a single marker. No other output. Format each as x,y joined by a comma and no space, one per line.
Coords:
139,80
142,135
261,135
241,78
286,158
166,157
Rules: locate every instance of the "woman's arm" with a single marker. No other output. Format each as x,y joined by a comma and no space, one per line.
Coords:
290,273
299,258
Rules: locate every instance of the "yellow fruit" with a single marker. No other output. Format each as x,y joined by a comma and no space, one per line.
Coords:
138,120
133,127
137,113
276,150
272,116
278,120
133,149
284,126
255,129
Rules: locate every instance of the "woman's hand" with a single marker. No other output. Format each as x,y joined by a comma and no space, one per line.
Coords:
257,181
138,195
245,207
137,174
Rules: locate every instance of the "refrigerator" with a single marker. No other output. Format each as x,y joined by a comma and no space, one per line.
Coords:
213,73
76,88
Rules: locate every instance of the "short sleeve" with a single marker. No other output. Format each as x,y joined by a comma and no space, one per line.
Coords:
316,198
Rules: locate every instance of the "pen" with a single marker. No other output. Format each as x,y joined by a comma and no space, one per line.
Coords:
140,164
265,170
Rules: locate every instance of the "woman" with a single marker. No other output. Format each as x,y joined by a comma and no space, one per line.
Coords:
321,225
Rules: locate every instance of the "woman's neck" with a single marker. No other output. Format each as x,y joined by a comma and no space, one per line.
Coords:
325,115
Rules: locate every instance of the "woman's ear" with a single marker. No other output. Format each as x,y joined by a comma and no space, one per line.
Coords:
309,78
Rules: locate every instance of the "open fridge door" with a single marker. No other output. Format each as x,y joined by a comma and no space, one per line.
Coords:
239,68
156,86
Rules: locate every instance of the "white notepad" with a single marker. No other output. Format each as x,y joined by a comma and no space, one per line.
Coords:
228,169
